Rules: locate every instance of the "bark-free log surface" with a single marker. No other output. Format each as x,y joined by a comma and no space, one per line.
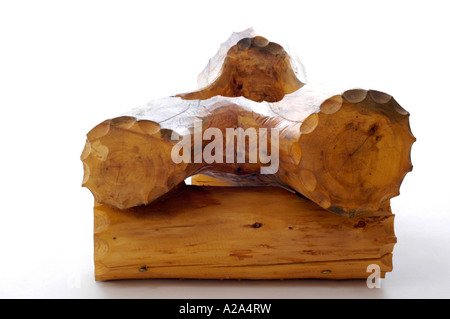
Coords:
262,233
347,150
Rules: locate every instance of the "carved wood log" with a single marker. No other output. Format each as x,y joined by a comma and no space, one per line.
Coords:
263,233
346,150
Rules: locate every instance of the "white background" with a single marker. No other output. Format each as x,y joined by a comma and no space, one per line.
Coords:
65,66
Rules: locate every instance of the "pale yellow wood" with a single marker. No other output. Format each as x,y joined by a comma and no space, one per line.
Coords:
239,233
204,180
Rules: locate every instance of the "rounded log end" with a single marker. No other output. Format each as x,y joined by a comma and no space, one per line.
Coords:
356,154
121,170
254,68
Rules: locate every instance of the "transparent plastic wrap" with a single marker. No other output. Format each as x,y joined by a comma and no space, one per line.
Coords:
346,150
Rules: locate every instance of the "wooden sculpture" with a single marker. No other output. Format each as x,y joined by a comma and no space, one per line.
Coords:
345,151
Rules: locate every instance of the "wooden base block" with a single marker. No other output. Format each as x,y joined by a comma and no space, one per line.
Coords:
239,233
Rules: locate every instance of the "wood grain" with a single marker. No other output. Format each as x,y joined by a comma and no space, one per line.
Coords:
239,233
